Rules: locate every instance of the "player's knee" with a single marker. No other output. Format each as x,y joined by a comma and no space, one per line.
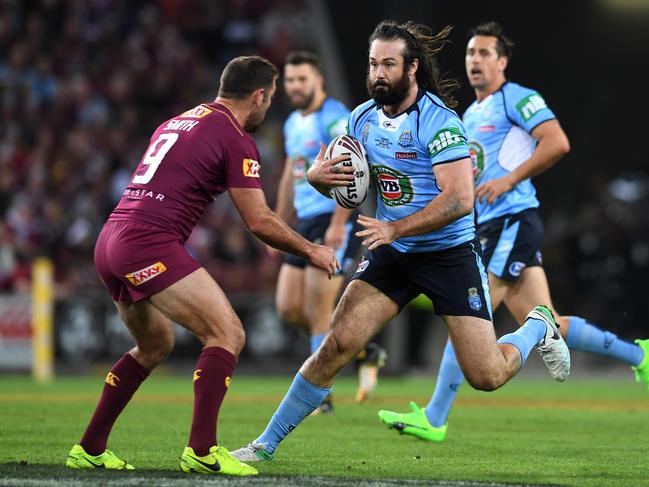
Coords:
238,339
153,354
287,314
338,346
484,381
294,317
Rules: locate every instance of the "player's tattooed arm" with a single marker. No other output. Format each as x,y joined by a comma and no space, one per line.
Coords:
455,179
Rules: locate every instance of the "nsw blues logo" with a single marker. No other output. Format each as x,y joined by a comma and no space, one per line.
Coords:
475,302
405,139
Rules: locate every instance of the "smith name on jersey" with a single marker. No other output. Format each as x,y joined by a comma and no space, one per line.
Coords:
402,152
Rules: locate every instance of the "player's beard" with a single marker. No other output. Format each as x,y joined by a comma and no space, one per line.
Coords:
389,95
305,102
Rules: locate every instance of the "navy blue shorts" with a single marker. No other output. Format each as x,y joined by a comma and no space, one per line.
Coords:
512,243
454,279
313,229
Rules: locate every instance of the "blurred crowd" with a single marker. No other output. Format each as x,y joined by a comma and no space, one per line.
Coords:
83,84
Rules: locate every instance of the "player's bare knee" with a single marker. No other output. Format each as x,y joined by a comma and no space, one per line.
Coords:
340,345
152,354
289,314
484,381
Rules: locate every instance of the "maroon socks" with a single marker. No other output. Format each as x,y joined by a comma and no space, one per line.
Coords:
121,383
211,381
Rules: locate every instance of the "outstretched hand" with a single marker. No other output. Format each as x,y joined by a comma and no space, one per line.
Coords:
324,258
376,233
325,174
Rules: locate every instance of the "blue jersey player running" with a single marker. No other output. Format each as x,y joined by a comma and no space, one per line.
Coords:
305,296
422,239
513,136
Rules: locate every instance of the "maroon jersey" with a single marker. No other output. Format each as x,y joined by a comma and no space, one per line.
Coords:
190,160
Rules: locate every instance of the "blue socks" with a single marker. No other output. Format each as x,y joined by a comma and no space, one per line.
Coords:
585,337
449,379
316,340
526,337
301,400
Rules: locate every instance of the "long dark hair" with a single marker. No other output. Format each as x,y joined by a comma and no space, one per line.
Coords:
423,45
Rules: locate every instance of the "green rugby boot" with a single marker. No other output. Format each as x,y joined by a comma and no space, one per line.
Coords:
217,461
414,423
642,369
78,458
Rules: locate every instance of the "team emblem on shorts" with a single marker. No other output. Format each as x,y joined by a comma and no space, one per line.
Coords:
143,275
363,264
475,302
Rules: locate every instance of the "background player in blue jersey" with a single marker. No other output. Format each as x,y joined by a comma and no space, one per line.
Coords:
513,136
423,238
305,296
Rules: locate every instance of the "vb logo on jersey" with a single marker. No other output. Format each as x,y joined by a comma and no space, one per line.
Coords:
530,106
300,167
250,168
445,139
394,188
477,159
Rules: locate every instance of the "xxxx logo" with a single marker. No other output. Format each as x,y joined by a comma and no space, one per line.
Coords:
112,379
477,159
197,112
250,168
143,275
197,374
394,188
228,381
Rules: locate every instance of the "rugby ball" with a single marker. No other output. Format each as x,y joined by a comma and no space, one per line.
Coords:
352,195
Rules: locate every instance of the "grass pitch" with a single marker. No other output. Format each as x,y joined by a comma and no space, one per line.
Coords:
533,431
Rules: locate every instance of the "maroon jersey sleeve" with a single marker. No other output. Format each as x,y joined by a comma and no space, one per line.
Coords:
242,164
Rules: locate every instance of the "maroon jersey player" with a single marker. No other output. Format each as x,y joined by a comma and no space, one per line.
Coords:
141,259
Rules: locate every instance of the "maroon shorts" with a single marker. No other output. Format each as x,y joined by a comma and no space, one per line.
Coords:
136,260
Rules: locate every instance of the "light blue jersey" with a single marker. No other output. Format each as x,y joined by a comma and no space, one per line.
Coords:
302,137
499,130
402,151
